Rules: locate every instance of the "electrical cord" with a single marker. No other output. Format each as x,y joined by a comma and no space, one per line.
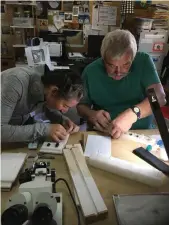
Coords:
78,214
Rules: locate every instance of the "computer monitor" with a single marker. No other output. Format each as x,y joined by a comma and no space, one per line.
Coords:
94,45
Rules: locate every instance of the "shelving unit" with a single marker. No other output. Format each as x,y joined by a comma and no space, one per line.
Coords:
19,3
23,21
19,46
23,27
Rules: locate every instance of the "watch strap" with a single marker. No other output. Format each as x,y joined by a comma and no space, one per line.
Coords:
136,110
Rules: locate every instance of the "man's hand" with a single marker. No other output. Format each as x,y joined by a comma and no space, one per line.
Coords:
57,132
122,123
71,127
100,119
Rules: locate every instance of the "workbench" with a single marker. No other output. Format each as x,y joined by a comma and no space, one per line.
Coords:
107,183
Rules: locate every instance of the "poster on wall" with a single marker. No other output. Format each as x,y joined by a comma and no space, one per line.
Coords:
84,16
55,20
75,10
68,17
107,15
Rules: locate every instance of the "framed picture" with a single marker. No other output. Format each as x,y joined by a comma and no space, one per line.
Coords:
81,10
42,9
68,17
75,10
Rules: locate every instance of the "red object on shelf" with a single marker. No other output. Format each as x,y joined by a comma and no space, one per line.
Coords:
165,111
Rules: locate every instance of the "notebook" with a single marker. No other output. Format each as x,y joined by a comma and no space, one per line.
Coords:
11,164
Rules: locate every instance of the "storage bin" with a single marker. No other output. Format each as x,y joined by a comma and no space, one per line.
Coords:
23,21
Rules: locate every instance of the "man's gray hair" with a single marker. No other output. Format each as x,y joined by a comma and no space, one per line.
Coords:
118,42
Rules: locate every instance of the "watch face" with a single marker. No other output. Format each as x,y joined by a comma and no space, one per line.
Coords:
136,110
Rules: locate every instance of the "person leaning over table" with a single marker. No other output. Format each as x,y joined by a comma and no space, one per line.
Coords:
115,85
30,97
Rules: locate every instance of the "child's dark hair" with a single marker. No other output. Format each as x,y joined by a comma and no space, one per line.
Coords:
68,82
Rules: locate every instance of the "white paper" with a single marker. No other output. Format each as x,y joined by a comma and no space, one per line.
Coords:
98,145
104,30
87,29
38,55
107,15
95,17
11,163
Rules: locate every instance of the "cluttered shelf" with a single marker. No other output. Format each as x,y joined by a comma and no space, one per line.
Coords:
24,3
78,20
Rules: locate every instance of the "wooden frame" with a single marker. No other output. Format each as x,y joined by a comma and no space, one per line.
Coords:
90,200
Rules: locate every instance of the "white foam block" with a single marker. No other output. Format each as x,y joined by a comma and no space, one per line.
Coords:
50,147
144,174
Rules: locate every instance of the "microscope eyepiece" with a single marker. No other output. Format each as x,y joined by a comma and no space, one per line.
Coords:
15,215
42,215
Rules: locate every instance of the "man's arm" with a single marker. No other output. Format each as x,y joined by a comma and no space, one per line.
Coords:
84,110
84,107
100,118
10,95
150,79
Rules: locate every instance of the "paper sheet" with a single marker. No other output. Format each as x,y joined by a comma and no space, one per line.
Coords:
95,17
107,15
11,163
98,145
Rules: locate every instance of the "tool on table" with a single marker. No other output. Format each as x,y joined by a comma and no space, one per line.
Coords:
45,156
152,160
146,155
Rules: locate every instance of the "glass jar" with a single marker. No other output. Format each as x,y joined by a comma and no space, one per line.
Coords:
27,13
17,14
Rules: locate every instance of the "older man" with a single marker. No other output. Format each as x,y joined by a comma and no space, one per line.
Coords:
116,85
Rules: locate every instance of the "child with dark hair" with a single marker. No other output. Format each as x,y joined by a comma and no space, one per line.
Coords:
33,100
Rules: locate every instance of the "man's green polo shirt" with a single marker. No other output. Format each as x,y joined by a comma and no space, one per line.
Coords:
115,96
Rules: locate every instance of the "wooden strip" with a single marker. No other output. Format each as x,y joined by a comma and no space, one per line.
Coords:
76,198
94,192
86,203
79,147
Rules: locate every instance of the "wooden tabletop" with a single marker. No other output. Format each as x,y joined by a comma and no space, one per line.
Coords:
107,183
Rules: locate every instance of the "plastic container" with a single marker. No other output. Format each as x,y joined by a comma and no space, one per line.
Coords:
143,23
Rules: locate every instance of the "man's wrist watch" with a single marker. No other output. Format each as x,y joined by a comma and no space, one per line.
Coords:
136,110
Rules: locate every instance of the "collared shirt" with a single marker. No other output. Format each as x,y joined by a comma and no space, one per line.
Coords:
115,96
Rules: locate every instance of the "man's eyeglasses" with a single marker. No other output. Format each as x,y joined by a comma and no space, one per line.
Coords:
125,66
